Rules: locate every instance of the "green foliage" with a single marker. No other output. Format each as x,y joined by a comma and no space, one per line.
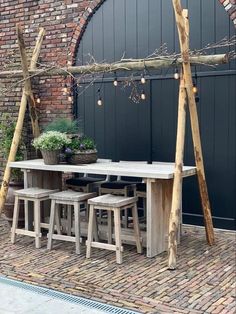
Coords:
82,144
51,140
63,125
7,129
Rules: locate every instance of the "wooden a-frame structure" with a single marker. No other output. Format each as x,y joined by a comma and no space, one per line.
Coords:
186,98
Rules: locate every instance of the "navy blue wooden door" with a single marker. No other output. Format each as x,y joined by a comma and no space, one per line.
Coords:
140,131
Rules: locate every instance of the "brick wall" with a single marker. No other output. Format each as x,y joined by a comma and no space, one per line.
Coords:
64,22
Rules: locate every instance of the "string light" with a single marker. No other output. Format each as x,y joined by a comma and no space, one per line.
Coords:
115,82
176,74
143,95
143,80
70,99
65,89
195,89
38,100
99,101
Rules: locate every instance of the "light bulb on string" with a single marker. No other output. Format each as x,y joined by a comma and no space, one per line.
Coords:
99,102
38,100
115,82
65,89
176,74
70,99
143,95
195,89
143,80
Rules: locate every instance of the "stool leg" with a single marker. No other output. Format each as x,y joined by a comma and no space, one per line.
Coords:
77,226
51,224
136,228
69,219
109,226
90,231
117,235
126,218
26,205
57,218
95,227
37,228
15,219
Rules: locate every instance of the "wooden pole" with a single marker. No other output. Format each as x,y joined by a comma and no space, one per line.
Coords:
21,115
182,26
177,186
134,65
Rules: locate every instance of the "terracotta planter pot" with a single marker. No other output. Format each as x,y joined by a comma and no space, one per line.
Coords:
9,204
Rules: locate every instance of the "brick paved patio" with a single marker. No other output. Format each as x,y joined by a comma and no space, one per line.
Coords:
203,283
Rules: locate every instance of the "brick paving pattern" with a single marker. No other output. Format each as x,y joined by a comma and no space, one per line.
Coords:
203,283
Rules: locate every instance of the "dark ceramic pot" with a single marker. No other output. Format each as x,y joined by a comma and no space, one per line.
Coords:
9,204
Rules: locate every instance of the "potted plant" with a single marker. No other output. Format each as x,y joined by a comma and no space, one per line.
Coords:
50,144
7,128
81,150
63,125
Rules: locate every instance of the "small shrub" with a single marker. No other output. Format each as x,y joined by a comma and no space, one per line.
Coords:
63,125
51,140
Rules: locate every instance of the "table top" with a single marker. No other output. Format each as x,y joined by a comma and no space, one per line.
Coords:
157,170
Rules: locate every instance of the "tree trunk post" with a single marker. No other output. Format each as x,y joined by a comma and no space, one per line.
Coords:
183,31
22,110
177,186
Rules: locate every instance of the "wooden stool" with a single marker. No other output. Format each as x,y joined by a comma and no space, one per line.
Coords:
35,195
112,203
69,198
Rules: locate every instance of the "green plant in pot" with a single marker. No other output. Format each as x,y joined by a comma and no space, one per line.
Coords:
50,144
7,129
81,151
64,125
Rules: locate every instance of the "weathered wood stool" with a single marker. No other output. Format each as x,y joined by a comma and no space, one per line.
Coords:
112,203
70,199
35,195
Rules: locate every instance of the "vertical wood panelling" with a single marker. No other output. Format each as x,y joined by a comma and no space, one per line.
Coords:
122,129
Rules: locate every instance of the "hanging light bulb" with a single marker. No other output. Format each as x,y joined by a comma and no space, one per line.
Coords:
143,96
195,89
65,89
70,99
38,100
99,102
176,74
115,82
143,80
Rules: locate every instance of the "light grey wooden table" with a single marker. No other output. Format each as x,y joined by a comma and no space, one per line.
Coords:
158,176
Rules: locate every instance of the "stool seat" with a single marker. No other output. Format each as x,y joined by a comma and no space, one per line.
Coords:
70,195
110,200
34,193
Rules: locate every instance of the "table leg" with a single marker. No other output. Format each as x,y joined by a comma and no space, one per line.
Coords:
159,198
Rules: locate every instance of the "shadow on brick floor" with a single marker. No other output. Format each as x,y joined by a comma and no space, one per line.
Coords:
203,283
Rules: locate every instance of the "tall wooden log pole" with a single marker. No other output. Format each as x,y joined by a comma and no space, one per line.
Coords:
22,110
181,21
178,178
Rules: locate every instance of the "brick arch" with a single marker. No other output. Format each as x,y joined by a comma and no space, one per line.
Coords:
229,5
80,28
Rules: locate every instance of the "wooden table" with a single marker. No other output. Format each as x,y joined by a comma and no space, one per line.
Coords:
158,176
